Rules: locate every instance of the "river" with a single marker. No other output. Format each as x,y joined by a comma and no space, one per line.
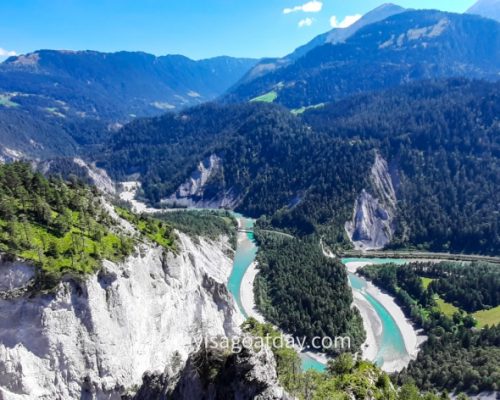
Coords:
390,342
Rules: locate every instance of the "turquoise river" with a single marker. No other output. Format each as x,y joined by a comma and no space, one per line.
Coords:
390,343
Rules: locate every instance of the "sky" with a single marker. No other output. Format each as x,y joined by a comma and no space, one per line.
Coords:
195,28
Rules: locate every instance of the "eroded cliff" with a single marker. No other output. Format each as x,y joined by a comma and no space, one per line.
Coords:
97,337
373,222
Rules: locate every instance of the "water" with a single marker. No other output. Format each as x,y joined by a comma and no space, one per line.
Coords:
309,363
391,343
245,255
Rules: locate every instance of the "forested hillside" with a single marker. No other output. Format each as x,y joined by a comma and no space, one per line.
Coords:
304,173
444,138
270,160
63,227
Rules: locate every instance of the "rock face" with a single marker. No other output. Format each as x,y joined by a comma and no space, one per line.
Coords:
197,191
94,339
76,166
246,375
97,176
372,226
16,277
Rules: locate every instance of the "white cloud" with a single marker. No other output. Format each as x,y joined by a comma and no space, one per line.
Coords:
311,7
305,22
347,21
6,53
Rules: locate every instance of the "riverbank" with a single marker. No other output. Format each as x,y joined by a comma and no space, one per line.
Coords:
372,325
247,295
410,336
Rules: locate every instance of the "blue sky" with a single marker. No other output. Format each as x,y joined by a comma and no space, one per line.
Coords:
195,28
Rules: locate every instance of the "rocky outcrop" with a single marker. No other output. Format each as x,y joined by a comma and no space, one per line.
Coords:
97,176
87,172
128,194
197,190
16,278
244,375
373,223
95,338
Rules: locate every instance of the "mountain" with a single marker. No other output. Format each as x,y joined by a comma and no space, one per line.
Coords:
336,35
409,46
52,102
340,35
487,9
117,85
414,167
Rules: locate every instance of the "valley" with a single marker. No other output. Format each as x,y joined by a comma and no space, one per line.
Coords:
384,345
322,223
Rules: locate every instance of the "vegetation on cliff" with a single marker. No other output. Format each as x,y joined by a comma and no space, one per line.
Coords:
63,227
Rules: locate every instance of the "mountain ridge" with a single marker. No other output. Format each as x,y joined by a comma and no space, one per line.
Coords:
54,103
110,71
335,35
413,45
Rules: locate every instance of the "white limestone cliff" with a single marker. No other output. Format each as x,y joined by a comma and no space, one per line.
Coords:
96,338
372,225
98,176
193,192
249,374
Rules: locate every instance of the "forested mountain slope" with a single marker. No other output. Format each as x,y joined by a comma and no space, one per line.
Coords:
443,140
406,47
440,140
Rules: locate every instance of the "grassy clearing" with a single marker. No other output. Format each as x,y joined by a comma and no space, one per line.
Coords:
266,98
426,282
446,308
487,317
